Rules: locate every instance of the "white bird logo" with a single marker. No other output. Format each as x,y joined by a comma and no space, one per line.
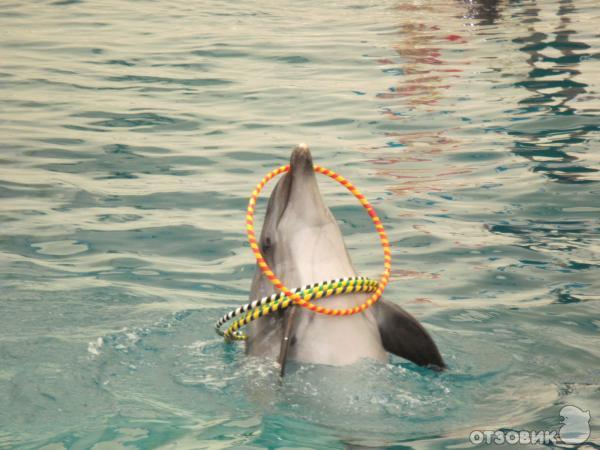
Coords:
576,425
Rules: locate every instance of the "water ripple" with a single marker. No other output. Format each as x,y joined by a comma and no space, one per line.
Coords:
133,133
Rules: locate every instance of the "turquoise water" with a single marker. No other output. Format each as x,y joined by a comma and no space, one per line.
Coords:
132,133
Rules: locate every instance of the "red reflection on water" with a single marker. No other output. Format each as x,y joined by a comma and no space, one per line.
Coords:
426,66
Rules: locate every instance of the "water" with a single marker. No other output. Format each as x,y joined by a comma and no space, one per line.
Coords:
132,134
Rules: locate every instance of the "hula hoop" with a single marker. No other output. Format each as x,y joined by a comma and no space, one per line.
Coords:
294,296
278,301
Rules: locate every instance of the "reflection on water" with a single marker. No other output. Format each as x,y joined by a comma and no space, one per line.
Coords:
429,65
554,81
133,133
486,12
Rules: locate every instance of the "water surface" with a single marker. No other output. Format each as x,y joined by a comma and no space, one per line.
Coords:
133,132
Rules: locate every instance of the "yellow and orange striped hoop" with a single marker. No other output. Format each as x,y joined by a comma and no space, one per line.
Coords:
298,300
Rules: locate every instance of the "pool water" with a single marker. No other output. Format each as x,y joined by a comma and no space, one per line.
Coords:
132,134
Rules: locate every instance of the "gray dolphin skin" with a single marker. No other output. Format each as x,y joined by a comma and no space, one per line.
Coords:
303,244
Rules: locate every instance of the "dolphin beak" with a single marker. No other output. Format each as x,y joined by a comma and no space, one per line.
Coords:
299,191
301,160
297,183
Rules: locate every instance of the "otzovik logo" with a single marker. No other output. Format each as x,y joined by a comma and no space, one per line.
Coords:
575,430
576,425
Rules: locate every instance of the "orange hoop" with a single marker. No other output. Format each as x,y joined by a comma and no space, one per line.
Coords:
298,300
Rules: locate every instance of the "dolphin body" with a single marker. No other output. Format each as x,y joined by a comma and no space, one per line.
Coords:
302,243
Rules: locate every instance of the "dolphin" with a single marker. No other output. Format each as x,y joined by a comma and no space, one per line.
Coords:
302,243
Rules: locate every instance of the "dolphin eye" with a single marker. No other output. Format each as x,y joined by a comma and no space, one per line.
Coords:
266,245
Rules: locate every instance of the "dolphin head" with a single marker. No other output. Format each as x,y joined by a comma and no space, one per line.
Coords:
300,238
302,243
